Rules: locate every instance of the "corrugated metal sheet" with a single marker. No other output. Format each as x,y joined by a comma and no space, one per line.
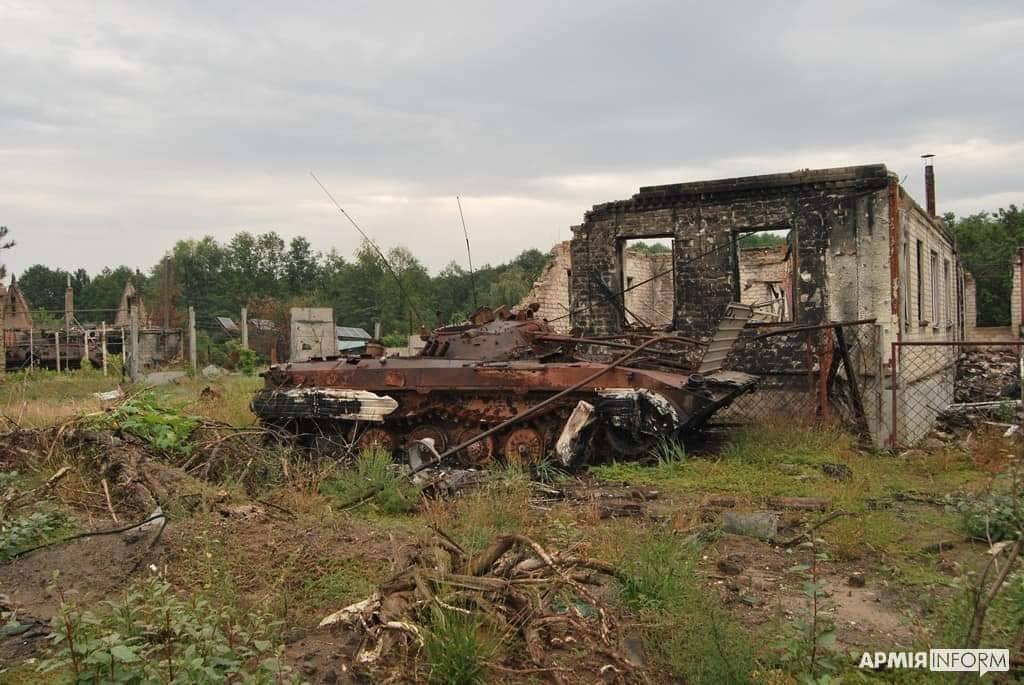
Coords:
227,324
351,333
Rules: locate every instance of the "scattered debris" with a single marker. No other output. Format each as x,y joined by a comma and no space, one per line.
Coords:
110,395
938,547
988,374
731,564
513,584
801,503
840,472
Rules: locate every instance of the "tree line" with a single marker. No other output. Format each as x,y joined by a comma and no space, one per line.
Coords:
269,275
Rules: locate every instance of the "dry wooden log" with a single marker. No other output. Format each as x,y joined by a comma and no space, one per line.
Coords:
801,503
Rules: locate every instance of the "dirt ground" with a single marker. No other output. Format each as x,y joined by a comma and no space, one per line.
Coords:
889,548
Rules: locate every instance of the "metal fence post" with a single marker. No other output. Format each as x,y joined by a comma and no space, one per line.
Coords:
56,345
133,369
192,356
103,345
893,382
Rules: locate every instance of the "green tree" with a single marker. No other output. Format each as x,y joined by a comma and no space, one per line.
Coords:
301,267
204,281
44,287
987,243
103,292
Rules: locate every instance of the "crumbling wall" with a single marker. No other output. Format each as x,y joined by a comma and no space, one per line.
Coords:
17,315
704,219
929,287
766,281
648,278
651,301
158,346
551,290
970,306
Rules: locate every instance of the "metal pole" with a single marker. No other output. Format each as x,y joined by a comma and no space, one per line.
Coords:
133,313
103,345
56,345
192,337
31,348
245,328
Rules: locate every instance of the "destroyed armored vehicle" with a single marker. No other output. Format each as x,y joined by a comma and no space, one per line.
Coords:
469,379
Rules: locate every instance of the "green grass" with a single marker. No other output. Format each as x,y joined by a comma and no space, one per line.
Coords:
346,581
456,649
500,507
43,397
682,625
374,473
762,462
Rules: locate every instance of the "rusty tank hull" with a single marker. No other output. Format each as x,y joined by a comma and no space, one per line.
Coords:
471,378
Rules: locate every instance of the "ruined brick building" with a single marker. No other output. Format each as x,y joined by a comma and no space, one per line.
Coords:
646,276
1017,295
835,245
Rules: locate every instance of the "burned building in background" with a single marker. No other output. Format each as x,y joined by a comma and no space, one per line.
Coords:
803,249
74,342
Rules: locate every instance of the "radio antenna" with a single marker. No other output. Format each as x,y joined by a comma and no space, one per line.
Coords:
469,254
383,259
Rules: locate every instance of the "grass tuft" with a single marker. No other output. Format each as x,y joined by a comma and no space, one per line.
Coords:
374,470
684,627
456,649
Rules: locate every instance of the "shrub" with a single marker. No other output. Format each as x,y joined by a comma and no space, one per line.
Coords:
995,518
26,531
154,636
143,416
247,359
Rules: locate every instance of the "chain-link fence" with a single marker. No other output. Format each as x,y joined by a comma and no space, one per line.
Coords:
931,379
818,373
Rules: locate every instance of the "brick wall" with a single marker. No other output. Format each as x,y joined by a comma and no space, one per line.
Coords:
766,281
551,290
652,301
831,213
649,277
1016,305
970,305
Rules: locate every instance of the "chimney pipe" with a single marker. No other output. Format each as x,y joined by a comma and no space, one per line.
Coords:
929,184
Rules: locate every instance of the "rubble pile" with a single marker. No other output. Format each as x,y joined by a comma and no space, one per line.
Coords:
986,375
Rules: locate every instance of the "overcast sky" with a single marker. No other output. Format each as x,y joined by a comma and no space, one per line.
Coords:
126,127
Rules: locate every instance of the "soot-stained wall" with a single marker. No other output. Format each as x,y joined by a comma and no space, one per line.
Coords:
830,212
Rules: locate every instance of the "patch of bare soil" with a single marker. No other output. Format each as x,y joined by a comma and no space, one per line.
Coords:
755,579
88,570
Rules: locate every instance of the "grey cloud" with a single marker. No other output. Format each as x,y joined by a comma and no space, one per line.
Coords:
173,121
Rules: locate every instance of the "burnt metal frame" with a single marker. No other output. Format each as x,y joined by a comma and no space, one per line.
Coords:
895,368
